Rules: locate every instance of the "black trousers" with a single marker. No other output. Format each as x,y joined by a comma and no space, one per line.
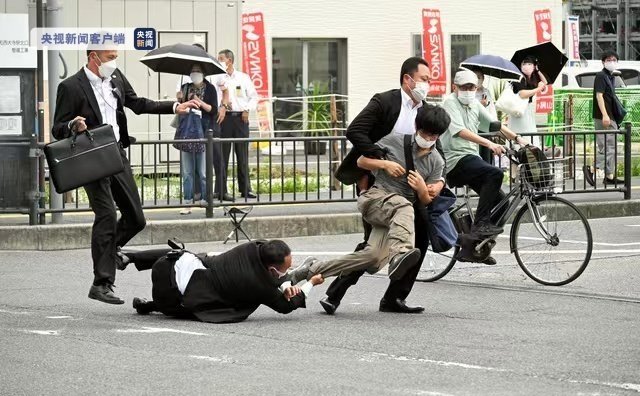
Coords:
397,288
144,259
109,232
483,178
219,165
234,127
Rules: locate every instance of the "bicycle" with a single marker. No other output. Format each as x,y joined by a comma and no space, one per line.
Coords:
544,223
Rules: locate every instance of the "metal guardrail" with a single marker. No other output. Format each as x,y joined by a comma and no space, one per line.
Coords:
286,170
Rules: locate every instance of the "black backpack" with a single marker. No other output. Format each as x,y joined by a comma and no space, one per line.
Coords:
536,169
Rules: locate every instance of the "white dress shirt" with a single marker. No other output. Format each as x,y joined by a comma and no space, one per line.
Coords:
184,267
106,99
242,92
406,123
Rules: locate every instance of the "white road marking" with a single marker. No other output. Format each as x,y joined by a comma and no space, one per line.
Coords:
14,312
59,317
153,330
579,242
595,251
428,393
221,359
43,332
375,356
626,386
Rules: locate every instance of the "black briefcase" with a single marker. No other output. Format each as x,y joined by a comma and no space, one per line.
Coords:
83,158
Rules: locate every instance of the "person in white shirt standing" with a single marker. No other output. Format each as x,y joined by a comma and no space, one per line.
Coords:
243,99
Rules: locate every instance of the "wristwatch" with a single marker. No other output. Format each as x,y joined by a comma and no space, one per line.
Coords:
226,106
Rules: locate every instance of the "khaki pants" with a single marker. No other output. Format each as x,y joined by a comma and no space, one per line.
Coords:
393,232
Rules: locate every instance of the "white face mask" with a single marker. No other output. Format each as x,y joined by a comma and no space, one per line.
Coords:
196,77
424,143
466,97
611,65
420,91
106,69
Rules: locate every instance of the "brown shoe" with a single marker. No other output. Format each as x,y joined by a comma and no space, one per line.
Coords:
105,294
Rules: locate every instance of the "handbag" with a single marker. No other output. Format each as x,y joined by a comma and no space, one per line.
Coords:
190,128
83,158
175,121
440,228
511,103
618,110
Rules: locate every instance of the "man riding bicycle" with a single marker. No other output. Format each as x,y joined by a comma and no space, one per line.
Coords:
464,166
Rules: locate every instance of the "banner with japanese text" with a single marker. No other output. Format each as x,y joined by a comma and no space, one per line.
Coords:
544,101
254,56
573,39
433,50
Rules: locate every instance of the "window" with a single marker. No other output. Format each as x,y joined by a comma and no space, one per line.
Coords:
299,65
463,46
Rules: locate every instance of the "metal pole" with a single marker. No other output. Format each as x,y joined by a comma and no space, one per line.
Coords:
54,19
41,106
620,28
209,174
33,190
594,28
627,160
627,28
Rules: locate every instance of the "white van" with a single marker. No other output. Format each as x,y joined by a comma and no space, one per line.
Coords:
583,76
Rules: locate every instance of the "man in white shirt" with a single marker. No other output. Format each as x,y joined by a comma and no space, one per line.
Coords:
243,99
97,94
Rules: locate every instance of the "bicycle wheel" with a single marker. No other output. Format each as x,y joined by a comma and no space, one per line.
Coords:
559,258
436,265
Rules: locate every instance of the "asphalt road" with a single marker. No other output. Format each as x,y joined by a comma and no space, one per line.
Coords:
486,330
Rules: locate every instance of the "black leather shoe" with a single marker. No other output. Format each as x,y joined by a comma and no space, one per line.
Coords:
141,306
249,195
401,263
489,261
399,306
105,294
329,306
225,197
486,229
588,175
122,260
614,181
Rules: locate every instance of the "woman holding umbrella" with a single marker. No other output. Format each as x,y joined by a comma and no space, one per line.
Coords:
534,82
193,158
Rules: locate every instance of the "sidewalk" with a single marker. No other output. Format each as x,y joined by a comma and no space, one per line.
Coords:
272,221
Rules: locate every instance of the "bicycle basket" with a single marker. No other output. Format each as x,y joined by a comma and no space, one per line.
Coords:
545,175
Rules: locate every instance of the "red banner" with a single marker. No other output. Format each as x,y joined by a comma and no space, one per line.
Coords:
254,63
544,101
433,50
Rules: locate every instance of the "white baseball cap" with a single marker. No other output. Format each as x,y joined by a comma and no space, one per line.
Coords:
465,76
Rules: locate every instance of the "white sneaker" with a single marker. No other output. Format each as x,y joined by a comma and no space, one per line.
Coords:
185,211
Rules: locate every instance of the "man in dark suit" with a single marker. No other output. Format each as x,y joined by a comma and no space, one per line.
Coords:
224,288
95,95
388,112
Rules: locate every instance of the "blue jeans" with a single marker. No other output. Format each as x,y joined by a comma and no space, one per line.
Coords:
193,168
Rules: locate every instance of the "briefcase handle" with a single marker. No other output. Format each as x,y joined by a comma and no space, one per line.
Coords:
74,136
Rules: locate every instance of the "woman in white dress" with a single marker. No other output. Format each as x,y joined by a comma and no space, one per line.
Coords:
533,83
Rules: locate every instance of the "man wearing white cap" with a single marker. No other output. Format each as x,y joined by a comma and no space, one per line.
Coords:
461,143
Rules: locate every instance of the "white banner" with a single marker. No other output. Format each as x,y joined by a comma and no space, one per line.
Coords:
573,39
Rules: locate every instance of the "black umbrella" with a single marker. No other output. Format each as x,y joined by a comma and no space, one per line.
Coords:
494,66
550,59
179,58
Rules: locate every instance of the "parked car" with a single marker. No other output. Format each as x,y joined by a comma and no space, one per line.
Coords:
583,76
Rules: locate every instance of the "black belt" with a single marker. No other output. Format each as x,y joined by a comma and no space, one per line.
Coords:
234,113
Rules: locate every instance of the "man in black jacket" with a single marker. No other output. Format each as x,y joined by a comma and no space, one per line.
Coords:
224,288
388,112
95,95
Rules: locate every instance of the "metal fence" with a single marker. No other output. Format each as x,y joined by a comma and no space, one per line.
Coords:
294,170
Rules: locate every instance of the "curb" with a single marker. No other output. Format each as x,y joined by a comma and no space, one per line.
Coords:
78,236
